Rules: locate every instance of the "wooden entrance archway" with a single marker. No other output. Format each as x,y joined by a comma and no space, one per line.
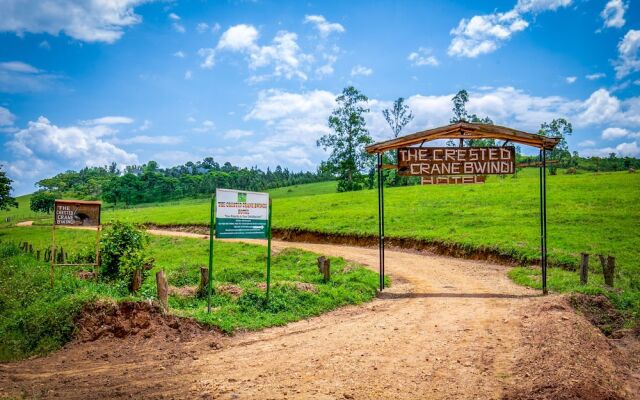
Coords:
462,131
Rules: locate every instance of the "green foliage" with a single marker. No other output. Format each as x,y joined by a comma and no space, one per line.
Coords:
6,201
121,250
460,114
42,201
397,117
558,128
348,160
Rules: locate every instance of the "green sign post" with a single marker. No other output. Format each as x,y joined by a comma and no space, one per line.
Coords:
239,214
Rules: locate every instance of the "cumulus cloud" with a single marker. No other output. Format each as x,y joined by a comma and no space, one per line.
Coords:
43,147
179,54
6,117
617,133
205,127
423,57
625,149
18,77
88,21
324,27
360,70
571,79
283,55
613,14
628,59
482,34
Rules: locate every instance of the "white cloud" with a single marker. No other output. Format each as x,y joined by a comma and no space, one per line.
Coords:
89,21
324,27
179,54
174,17
109,120
423,57
237,134
482,34
78,145
178,27
597,75
6,117
600,107
145,125
628,60
571,79
205,127
617,133
360,70
202,27
283,55
587,143
188,74
145,139
17,76
626,149
613,14
45,45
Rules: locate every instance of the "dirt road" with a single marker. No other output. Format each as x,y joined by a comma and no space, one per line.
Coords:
447,329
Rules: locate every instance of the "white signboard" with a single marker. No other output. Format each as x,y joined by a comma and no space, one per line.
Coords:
241,214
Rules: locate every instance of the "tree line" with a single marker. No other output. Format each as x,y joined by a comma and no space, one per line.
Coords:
149,183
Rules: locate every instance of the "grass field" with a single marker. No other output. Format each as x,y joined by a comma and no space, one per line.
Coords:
35,318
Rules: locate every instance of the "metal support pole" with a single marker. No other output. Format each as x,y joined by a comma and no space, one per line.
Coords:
211,230
269,251
544,218
381,220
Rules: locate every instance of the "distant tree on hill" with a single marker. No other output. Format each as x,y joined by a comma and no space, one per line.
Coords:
348,160
42,201
558,128
460,114
6,201
397,117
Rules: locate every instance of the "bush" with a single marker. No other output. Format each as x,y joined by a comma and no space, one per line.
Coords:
121,251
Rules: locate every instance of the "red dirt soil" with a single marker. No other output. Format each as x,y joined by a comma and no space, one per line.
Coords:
447,329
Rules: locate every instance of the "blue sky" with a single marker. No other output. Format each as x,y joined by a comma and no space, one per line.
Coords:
253,82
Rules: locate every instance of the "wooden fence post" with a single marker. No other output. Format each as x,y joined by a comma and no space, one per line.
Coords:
608,269
324,266
38,255
584,268
136,281
204,281
163,290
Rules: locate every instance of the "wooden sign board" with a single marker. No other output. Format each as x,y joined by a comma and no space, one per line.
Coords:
241,214
77,213
452,180
435,161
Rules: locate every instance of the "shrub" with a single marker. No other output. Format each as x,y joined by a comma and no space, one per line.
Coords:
121,251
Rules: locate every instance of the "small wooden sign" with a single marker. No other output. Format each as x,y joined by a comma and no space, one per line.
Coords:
452,180
77,213
437,161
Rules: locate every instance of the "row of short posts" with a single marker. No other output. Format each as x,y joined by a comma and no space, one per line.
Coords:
608,264
59,255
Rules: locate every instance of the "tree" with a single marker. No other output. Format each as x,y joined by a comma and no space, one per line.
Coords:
348,159
6,201
460,114
42,201
397,117
558,128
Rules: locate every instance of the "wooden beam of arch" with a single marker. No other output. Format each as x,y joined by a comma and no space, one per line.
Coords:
466,130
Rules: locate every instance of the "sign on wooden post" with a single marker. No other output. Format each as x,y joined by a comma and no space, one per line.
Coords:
241,214
447,161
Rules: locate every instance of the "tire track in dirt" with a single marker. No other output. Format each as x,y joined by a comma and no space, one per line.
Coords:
447,328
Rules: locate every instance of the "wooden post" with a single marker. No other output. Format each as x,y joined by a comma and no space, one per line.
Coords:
608,269
136,281
584,268
38,255
163,290
30,248
204,281
324,266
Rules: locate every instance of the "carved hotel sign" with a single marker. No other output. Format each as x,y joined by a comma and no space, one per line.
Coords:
451,161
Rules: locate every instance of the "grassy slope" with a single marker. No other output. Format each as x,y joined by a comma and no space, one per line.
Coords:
22,213
35,318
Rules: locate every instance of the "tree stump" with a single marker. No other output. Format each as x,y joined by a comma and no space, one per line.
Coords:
38,255
608,269
632,170
163,290
324,266
204,282
136,281
584,268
